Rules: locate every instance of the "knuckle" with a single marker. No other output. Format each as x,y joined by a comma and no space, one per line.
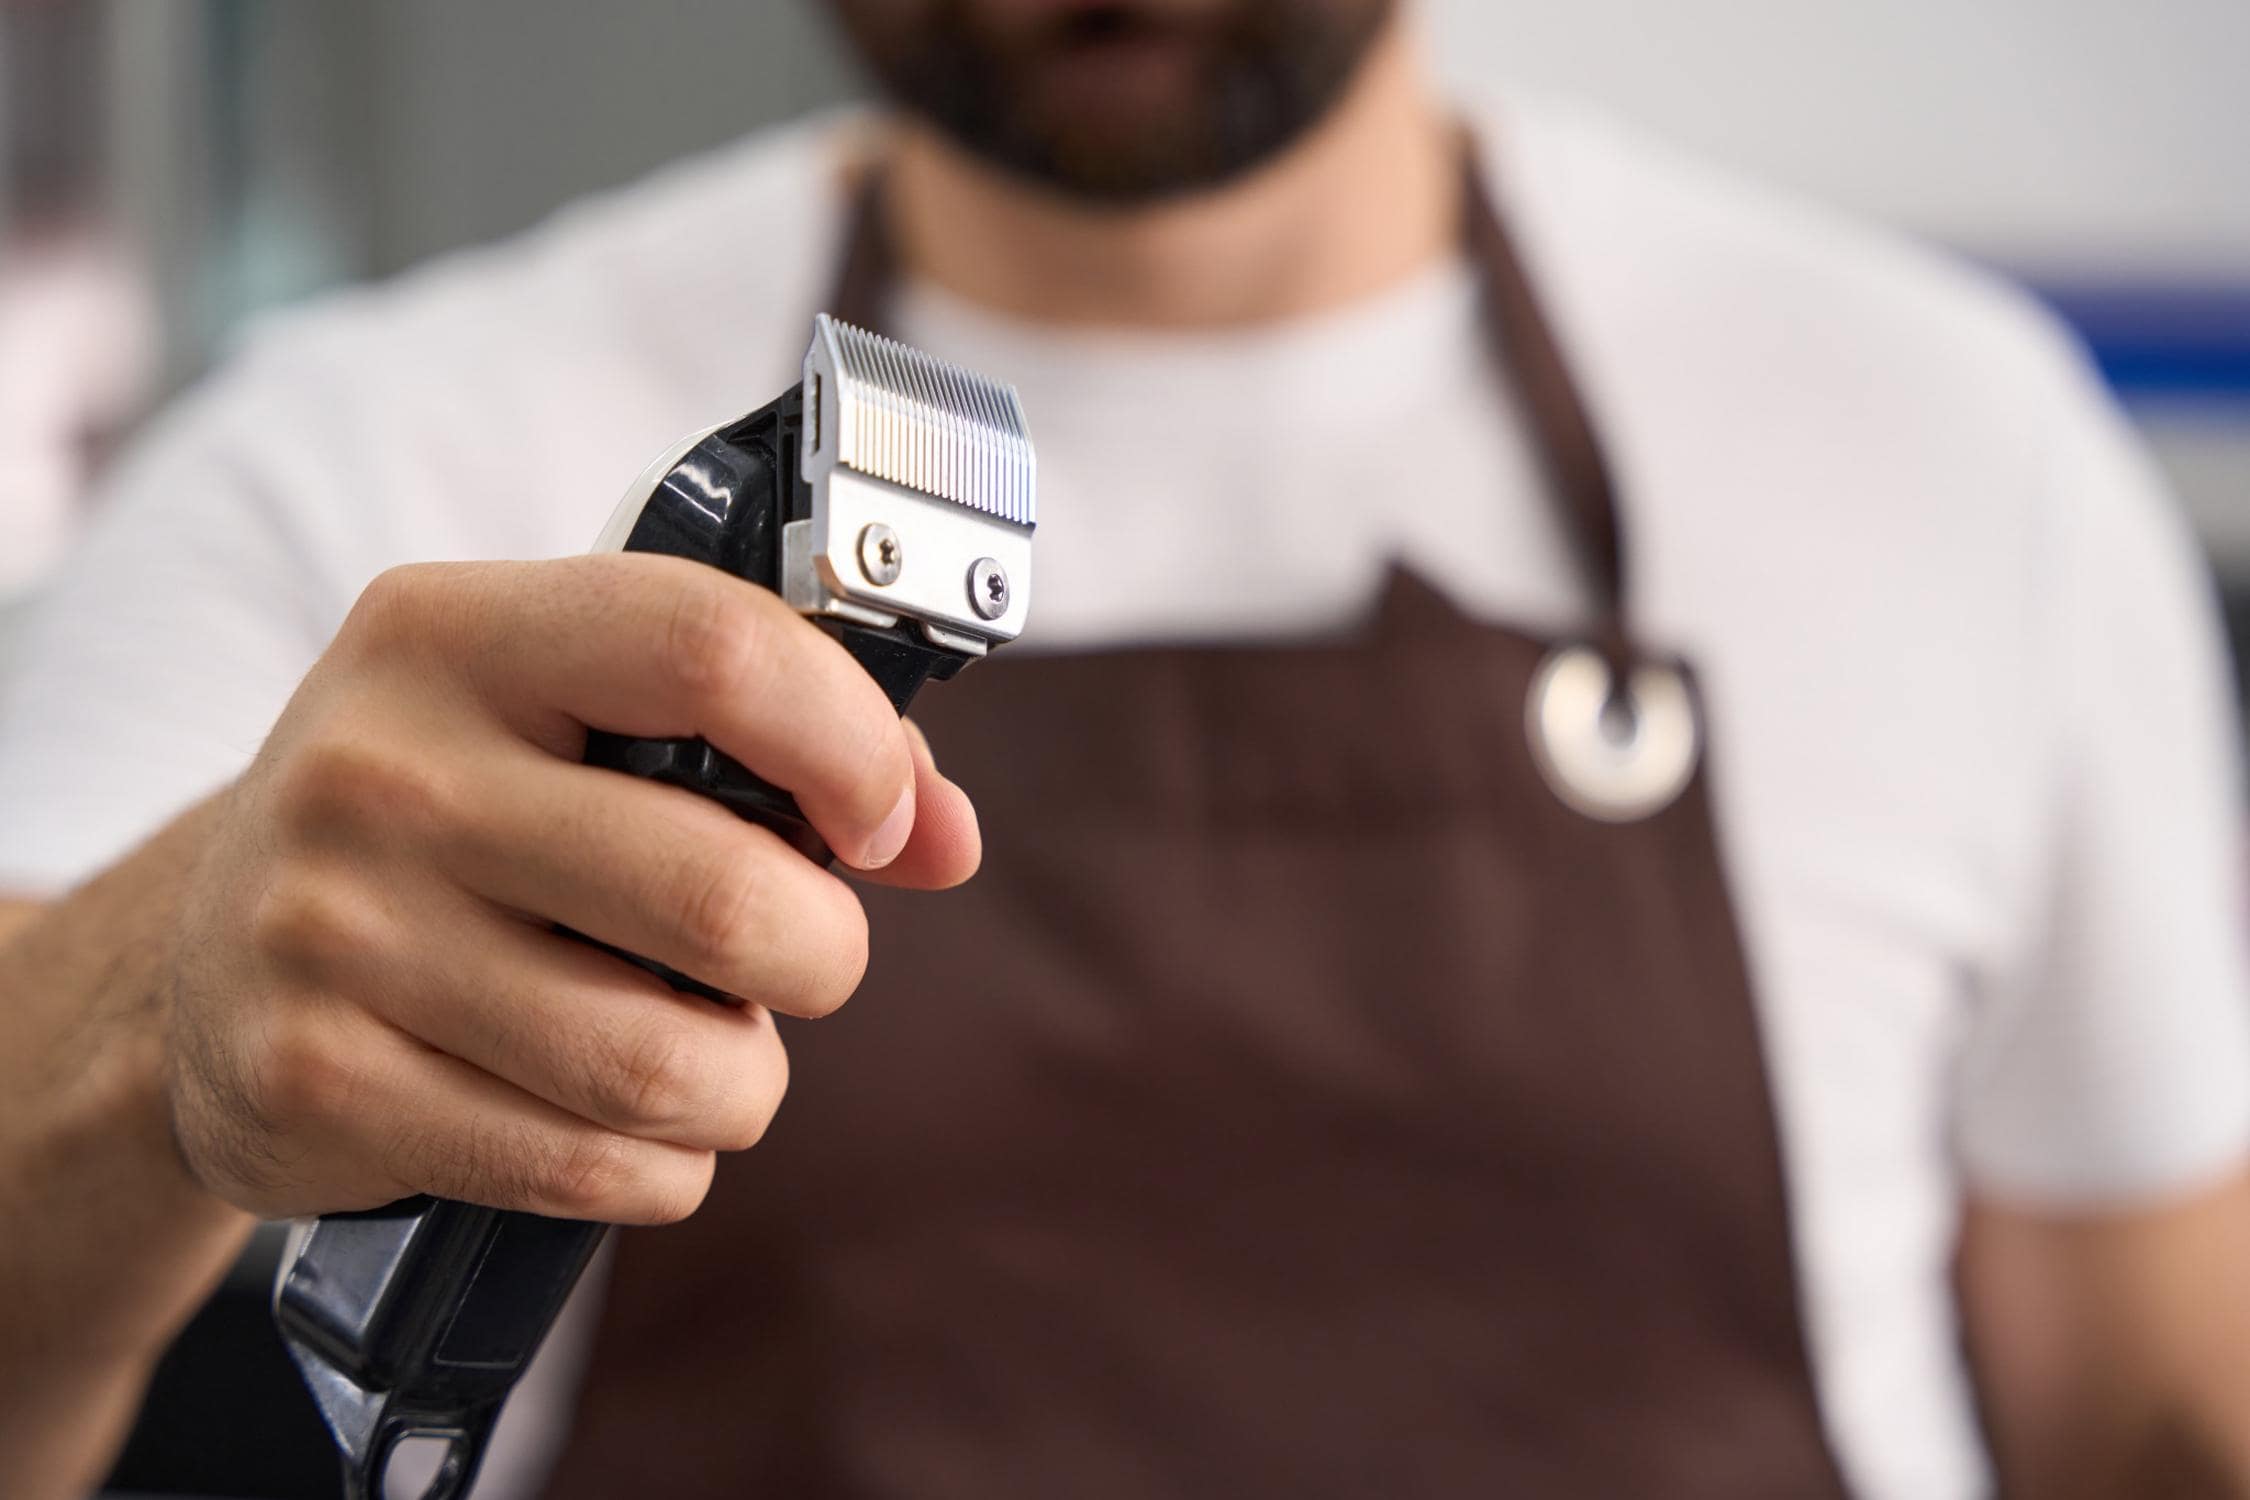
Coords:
450,1165
307,924
390,604
356,782
654,1081
298,1076
588,1176
717,913
310,788
717,640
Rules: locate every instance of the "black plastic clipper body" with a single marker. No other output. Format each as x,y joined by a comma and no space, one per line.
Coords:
417,1319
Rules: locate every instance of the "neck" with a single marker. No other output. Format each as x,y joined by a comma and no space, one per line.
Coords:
1367,198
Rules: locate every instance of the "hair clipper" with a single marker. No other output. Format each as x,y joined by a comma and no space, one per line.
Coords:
889,497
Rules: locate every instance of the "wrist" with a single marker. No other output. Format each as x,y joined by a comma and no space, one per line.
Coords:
112,1243
118,1242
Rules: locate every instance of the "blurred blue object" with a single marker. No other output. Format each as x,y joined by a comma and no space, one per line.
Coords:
2162,339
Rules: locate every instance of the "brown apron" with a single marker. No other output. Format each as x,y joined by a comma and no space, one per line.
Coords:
1338,1082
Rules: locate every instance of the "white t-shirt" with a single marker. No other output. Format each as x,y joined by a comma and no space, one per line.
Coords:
1971,739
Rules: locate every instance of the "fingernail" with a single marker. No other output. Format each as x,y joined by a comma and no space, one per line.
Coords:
891,837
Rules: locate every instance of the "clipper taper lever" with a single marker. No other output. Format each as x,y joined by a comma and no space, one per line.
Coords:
889,496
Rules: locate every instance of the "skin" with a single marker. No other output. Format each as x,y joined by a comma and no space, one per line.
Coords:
333,983
2113,1349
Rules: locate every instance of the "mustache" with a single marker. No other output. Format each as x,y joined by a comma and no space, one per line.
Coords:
1094,24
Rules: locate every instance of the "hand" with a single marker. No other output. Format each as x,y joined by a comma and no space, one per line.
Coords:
369,999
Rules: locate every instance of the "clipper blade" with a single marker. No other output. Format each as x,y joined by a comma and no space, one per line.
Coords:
919,421
928,461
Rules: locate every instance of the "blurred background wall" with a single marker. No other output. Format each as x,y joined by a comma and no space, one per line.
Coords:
244,153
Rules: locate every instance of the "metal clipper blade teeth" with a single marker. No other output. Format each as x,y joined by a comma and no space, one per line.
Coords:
924,492
922,422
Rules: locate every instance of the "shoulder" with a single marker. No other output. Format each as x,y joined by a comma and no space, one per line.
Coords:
492,402
699,249
1757,289
1783,386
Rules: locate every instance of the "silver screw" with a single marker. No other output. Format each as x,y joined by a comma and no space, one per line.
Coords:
988,588
881,554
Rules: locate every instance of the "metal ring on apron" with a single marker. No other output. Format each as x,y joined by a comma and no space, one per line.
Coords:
1616,757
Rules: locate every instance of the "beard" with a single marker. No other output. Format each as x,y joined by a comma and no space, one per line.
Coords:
1117,101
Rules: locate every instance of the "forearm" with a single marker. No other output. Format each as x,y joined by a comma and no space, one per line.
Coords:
2113,1351
111,1244
2205,1296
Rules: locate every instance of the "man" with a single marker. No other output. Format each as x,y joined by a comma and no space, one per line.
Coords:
1195,1145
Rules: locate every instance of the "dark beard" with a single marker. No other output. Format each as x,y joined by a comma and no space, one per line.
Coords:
1124,102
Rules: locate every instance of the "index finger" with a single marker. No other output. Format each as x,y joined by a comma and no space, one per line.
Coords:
663,647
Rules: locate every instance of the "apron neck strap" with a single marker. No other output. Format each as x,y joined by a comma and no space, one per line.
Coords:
1523,342
1516,328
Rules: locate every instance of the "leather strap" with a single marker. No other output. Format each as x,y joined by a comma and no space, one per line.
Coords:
1523,340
